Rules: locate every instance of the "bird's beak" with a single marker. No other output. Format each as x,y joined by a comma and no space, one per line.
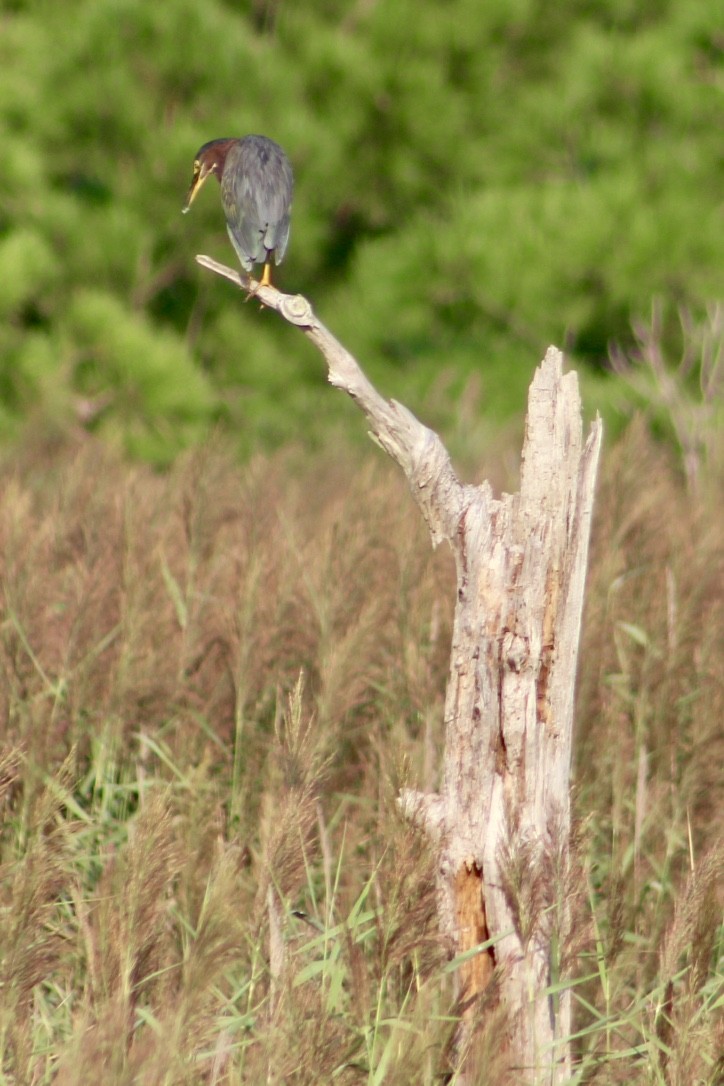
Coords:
200,175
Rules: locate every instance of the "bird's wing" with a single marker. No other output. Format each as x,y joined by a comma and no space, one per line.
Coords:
245,228
260,193
277,237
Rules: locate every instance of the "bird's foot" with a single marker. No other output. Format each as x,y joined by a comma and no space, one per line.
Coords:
265,281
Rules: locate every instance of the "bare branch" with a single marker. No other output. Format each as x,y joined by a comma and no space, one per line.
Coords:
424,810
417,449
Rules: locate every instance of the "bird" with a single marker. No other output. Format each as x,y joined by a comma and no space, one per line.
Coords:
256,182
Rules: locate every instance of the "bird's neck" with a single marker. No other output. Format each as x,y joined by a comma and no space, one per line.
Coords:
217,152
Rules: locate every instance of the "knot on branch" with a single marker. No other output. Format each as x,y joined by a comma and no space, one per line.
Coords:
427,811
296,309
516,651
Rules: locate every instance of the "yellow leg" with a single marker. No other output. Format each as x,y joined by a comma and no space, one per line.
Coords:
265,281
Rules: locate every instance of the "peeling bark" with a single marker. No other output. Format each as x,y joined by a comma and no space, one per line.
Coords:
501,822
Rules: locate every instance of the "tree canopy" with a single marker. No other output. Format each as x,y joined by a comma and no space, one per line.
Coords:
473,181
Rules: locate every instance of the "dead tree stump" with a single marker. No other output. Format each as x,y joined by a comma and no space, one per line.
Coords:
501,822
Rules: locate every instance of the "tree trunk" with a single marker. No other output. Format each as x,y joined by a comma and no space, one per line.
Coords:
504,811
501,822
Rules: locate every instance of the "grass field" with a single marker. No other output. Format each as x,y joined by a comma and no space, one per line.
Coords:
213,683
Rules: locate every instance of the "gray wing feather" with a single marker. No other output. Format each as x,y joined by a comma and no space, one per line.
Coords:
257,187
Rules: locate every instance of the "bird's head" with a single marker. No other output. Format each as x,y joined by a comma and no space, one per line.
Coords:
209,160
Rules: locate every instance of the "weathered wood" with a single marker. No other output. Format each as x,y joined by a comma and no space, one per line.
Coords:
501,823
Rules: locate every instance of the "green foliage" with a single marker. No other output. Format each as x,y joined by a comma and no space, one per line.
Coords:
473,181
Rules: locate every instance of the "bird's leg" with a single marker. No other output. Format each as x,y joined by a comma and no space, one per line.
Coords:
265,281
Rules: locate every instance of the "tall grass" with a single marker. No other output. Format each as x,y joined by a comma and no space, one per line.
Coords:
213,684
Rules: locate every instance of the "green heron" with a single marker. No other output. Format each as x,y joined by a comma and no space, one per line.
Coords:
256,194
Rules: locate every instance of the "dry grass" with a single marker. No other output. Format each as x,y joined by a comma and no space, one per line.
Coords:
203,876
